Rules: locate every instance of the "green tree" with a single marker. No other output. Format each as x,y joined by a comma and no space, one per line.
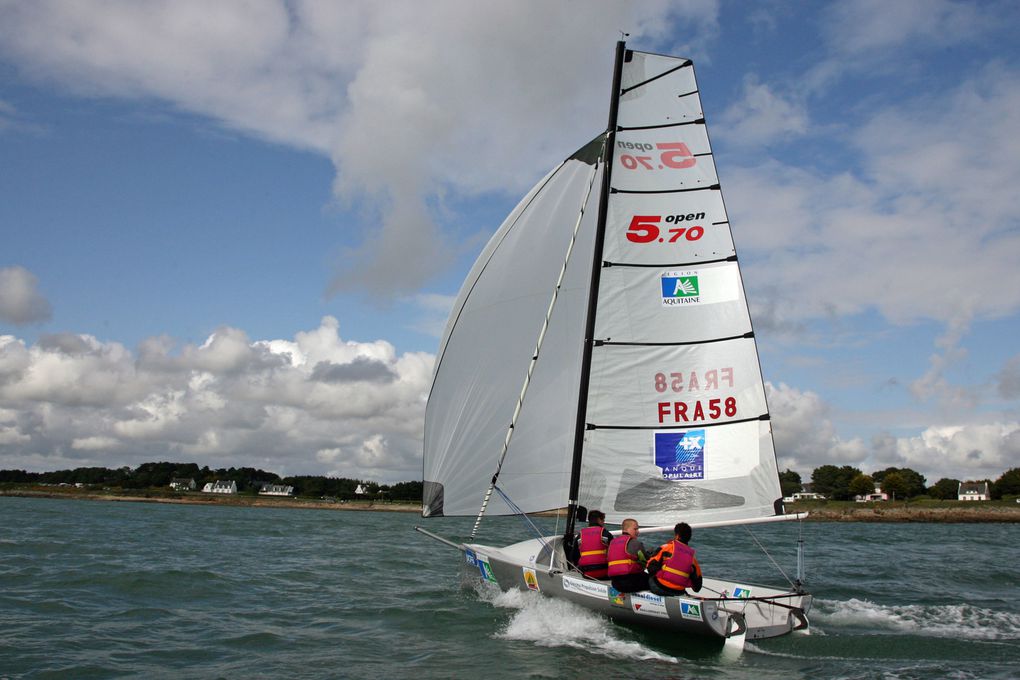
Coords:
862,485
790,482
914,481
833,482
1008,484
945,489
895,484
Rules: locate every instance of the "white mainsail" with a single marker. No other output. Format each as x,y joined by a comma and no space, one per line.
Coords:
676,423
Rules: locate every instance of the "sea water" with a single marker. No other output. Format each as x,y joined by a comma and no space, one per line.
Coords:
106,590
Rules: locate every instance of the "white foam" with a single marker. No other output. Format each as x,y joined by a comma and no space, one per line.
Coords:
552,622
945,621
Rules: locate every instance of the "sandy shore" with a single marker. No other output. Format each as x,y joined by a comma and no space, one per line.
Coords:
834,512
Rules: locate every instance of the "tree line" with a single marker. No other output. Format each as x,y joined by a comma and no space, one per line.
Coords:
845,482
159,475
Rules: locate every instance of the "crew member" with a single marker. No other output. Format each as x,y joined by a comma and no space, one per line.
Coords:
674,568
627,557
593,543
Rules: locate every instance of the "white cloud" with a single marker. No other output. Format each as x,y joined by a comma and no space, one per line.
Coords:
407,98
762,117
925,230
869,29
20,300
228,401
806,438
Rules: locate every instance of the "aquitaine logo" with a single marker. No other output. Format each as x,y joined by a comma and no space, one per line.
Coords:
681,455
680,288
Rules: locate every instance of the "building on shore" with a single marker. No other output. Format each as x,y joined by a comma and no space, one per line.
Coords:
973,491
182,484
228,486
276,490
877,495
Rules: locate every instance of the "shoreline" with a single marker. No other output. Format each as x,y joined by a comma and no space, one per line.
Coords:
198,498
875,512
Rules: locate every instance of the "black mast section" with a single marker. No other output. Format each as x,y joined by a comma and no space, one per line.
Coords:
593,295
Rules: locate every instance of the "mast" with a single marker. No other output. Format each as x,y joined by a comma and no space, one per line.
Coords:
593,294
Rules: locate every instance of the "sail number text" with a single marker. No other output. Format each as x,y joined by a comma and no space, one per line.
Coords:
645,228
674,155
683,412
693,381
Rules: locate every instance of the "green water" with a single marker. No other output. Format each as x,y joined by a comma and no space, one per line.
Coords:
104,590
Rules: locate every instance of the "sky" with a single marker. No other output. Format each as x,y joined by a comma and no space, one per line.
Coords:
230,233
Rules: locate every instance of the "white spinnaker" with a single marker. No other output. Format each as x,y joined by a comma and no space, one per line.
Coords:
675,396
486,349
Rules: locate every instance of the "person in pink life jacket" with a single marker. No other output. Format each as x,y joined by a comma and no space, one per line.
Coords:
593,542
674,568
627,557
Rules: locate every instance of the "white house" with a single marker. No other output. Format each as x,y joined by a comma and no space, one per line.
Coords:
360,491
276,490
182,484
228,486
807,496
973,491
878,495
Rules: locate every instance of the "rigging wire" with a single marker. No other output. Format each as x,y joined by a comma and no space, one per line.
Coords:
538,347
774,563
517,511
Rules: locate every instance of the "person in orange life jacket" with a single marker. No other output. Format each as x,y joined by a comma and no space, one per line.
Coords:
627,557
592,544
674,568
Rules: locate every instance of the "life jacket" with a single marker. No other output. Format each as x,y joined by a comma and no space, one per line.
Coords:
676,571
621,562
593,561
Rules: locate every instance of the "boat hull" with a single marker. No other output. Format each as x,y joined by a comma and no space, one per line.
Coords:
739,610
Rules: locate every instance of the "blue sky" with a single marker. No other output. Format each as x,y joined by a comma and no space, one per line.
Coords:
230,234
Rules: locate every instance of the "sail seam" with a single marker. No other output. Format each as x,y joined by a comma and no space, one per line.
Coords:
654,78
593,426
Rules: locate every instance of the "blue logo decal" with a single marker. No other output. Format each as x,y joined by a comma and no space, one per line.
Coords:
680,288
741,592
469,555
690,610
681,455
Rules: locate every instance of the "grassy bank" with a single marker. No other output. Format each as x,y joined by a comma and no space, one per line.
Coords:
909,511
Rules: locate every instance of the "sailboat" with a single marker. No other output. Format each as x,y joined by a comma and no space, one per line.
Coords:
600,355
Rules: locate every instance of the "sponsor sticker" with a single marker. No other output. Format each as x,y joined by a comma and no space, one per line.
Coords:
649,604
690,609
485,569
589,588
531,578
617,598
469,556
681,455
741,591
680,288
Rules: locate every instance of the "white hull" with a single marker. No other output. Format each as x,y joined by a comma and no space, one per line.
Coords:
755,612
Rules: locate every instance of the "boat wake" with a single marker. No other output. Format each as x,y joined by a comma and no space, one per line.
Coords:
962,621
550,622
